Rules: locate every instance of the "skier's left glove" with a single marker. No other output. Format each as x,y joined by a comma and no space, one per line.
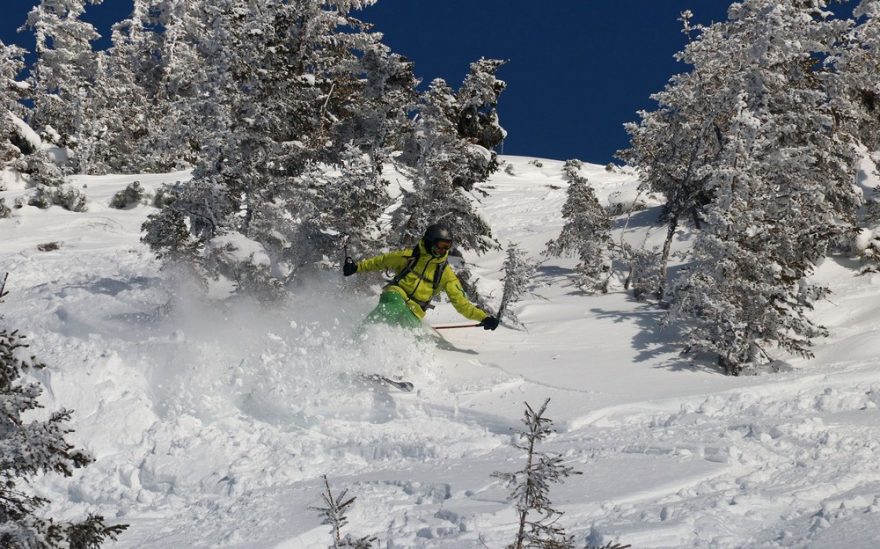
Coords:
489,323
349,267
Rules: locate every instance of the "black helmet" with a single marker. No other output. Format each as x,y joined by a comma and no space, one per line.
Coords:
434,235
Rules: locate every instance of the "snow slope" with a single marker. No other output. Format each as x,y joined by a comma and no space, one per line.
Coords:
213,421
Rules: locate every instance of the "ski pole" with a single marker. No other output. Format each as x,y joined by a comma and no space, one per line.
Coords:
451,326
345,239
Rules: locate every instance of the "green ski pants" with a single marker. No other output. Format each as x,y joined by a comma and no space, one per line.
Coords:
392,310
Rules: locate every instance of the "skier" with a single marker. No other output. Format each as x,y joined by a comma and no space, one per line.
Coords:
422,273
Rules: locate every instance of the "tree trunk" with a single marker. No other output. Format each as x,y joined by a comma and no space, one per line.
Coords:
664,257
524,512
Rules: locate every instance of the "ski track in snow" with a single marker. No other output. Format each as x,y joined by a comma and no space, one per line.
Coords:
212,422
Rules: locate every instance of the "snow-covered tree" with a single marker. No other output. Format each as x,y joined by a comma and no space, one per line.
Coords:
67,196
294,108
468,120
856,103
780,185
519,274
334,514
33,447
586,233
856,97
281,84
122,110
377,123
346,208
337,205
477,119
436,158
20,146
478,100
129,197
530,486
64,73
736,295
13,130
173,69
675,145
178,231
645,269
448,151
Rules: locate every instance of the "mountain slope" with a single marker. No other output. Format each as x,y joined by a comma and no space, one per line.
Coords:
212,421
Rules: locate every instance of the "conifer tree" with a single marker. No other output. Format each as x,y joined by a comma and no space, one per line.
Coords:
477,119
737,294
586,233
478,99
467,118
122,110
378,122
780,185
64,73
174,67
283,104
645,270
12,111
856,86
530,487
279,83
855,101
519,273
334,514
435,158
31,448
675,145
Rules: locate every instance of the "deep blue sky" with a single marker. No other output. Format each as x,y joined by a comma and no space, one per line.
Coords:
578,69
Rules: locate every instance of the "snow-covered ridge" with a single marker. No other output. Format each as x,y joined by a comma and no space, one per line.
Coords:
212,421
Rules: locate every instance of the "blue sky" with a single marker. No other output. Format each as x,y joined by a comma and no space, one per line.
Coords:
577,71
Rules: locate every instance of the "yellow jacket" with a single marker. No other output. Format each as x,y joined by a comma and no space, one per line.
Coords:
416,286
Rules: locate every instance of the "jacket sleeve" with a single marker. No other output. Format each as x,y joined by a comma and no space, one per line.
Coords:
452,287
392,260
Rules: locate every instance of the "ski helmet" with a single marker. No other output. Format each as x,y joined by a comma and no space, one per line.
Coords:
437,234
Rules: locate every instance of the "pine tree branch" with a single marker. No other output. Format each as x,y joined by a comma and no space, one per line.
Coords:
3,287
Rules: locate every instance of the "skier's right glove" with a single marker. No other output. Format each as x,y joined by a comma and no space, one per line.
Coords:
489,323
349,267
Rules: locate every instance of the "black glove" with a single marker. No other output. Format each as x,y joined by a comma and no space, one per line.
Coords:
349,267
489,323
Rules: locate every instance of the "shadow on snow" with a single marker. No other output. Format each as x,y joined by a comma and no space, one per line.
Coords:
654,340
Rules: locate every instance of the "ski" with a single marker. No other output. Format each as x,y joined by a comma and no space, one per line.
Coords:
402,385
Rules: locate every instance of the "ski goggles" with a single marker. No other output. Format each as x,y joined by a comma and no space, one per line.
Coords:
442,246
